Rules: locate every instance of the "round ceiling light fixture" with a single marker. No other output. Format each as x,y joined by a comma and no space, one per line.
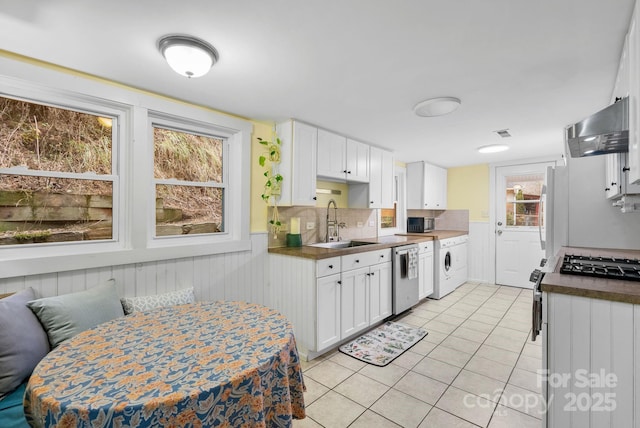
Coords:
436,106
493,148
187,55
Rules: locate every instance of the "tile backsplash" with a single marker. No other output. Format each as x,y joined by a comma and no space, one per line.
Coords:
445,220
359,223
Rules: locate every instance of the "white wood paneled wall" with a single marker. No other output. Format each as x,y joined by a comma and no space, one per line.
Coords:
478,257
599,337
230,276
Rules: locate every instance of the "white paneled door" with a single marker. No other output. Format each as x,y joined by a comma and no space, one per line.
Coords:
519,217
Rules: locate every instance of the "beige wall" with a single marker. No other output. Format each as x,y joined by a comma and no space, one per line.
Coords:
468,189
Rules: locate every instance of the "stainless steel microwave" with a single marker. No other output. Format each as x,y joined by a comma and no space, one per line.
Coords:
420,224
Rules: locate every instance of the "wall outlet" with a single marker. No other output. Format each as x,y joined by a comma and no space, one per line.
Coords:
311,225
359,224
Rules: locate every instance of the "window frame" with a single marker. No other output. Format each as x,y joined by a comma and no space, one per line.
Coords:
82,104
180,124
132,244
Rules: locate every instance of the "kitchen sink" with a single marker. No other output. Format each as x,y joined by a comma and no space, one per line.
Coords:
341,244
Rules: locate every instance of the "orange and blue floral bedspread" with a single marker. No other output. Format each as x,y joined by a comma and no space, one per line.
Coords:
226,364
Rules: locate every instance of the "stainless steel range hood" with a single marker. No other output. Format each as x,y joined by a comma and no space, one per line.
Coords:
604,132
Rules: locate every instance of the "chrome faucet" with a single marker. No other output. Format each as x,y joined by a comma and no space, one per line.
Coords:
332,224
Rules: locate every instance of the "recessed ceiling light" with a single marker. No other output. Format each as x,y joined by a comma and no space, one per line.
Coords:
436,106
493,148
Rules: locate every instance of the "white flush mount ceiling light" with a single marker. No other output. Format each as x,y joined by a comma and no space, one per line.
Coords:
436,106
493,148
188,56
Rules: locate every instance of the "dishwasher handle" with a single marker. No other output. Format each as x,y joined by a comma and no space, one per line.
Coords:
402,257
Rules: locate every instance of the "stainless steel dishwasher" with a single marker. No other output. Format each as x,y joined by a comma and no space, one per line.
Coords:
405,277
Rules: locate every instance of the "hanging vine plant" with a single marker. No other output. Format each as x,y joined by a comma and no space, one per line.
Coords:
273,184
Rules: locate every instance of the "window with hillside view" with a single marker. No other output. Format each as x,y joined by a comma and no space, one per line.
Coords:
189,182
57,174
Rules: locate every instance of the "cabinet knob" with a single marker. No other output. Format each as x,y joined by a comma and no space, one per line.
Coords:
382,256
348,172
372,273
370,202
339,282
625,169
330,266
614,184
345,171
315,198
606,189
357,261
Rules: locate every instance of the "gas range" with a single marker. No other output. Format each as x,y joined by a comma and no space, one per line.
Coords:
601,267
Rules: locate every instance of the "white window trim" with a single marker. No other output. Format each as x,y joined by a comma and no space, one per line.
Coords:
131,107
188,126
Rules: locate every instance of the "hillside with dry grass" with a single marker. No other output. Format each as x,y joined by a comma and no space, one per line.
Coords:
44,138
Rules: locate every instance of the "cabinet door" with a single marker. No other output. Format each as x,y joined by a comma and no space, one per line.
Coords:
379,292
612,185
357,161
427,262
441,188
305,140
422,276
415,185
375,177
387,180
331,155
633,40
623,175
328,311
435,187
354,301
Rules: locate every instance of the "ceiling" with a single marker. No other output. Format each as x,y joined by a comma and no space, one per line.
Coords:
357,67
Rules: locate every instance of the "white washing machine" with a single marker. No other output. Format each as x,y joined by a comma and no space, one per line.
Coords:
450,258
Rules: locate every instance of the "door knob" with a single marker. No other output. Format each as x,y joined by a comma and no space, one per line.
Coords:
499,223
499,232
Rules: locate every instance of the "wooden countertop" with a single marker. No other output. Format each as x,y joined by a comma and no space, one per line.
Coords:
439,234
377,244
597,288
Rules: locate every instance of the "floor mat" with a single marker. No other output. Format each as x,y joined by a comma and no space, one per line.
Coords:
384,344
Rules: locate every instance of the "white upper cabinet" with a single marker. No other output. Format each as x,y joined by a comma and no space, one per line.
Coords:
623,169
332,152
426,186
341,158
357,161
298,163
378,192
633,45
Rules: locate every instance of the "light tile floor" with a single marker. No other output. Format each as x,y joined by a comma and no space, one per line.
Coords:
476,367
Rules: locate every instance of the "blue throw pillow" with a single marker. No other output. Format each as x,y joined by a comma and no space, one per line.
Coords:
23,342
69,314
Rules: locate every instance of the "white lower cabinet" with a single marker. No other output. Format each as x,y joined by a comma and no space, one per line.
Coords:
328,323
425,269
330,300
379,292
354,301
591,354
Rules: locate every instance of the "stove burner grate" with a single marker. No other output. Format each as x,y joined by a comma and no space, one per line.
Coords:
601,267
